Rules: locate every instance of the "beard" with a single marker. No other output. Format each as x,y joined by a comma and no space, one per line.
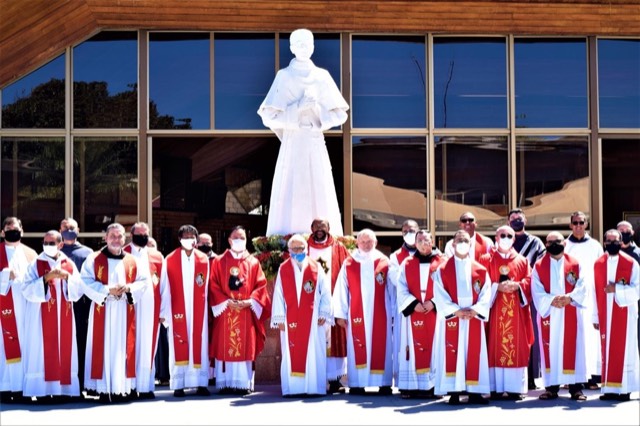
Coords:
319,236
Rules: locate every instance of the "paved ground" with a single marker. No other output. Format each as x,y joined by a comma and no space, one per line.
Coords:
267,407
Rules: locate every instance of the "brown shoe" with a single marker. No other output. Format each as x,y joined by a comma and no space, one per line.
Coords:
547,395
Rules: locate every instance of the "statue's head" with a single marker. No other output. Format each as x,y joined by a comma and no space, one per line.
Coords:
301,44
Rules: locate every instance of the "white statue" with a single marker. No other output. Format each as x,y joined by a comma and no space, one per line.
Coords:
303,102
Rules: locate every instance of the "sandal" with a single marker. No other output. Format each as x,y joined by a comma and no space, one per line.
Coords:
548,395
579,396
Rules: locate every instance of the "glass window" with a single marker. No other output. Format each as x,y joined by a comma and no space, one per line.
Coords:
36,100
471,175
389,181
105,182
470,82
105,81
619,83
179,81
388,82
551,83
32,176
553,179
244,70
326,53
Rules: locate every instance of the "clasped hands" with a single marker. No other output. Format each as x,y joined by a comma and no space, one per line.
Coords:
508,286
465,313
239,304
610,288
425,308
119,290
561,301
56,273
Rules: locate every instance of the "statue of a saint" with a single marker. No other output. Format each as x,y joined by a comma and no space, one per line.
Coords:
303,102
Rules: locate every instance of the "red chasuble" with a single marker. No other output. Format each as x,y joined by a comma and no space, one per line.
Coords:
510,325
237,334
450,284
356,309
339,253
423,326
613,362
8,319
57,361
299,314
571,276
101,271
181,336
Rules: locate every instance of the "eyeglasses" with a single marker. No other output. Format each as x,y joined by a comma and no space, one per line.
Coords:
553,241
615,243
469,220
49,243
297,249
576,222
506,236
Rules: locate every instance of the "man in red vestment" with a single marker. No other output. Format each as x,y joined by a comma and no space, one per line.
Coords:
479,243
241,304
330,254
510,326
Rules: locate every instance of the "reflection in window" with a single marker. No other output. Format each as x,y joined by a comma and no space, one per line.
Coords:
244,70
326,53
105,182
551,83
552,179
388,80
32,176
619,83
470,82
389,181
471,175
105,86
37,99
179,81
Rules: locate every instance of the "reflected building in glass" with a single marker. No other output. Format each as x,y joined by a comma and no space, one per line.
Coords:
155,119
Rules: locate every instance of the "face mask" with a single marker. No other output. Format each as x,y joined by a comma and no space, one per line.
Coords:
517,225
626,237
298,257
463,248
505,243
238,245
140,240
319,235
612,249
70,235
51,251
188,243
205,248
12,236
555,248
410,238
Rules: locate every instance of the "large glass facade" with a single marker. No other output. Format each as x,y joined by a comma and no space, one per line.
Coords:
619,83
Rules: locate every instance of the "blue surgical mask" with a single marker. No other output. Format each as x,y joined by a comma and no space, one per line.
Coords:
298,257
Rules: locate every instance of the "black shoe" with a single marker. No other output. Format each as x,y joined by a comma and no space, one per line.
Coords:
454,399
241,392
496,396
609,397
335,387
225,391
512,396
5,398
92,392
430,394
146,395
532,385
624,397
356,391
202,391
179,393
476,398
385,391
212,382
104,398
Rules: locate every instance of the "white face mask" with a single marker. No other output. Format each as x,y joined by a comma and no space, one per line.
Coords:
463,249
188,243
238,245
51,251
505,243
410,238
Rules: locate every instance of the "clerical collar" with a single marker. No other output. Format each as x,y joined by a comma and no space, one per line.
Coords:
424,258
584,239
110,255
236,255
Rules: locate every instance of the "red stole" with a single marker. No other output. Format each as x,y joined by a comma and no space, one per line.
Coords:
401,254
571,275
155,270
481,246
423,326
9,325
57,359
178,308
379,329
450,284
101,271
613,362
299,315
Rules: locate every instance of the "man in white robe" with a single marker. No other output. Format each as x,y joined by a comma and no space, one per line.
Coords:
363,305
303,102
463,297
559,293
301,286
51,285
184,289
114,283
14,260
616,317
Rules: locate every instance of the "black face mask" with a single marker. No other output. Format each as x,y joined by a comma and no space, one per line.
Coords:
140,240
612,249
204,248
555,248
12,236
626,237
517,225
